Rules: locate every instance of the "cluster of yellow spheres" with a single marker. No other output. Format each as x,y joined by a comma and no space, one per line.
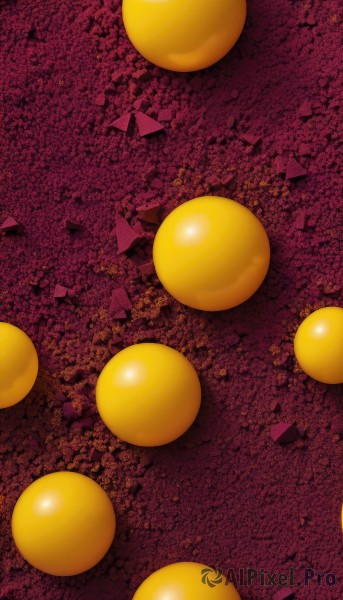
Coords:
212,254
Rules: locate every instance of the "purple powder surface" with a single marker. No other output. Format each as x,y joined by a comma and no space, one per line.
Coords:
224,494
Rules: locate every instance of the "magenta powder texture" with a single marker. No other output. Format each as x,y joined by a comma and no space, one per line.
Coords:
80,192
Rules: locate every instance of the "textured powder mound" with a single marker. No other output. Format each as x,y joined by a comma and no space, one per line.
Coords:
92,134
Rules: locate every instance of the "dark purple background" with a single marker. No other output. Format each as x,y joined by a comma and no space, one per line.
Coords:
224,494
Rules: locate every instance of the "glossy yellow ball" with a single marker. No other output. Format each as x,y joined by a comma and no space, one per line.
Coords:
18,365
63,523
211,253
148,394
184,35
318,345
186,581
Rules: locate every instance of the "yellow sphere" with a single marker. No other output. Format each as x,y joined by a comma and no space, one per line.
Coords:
318,345
186,581
184,35
148,394
211,253
18,365
63,523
